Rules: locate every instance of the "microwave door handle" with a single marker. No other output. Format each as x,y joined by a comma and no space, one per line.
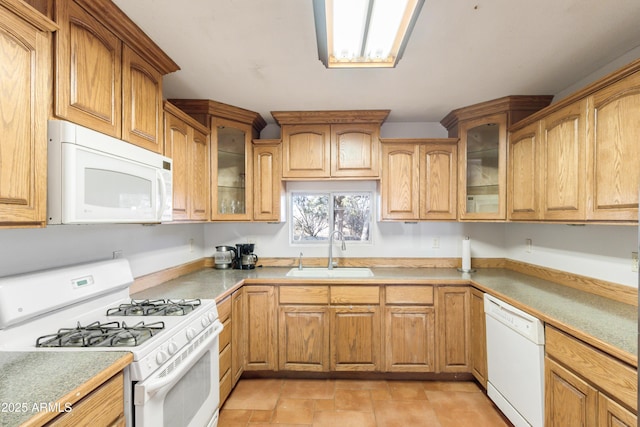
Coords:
145,390
163,194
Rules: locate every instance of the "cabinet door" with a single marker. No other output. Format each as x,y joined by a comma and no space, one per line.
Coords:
614,151
25,55
199,182
482,168
524,173
141,102
224,347
260,328
355,338
564,163
306,151
267,172
176,146
569,401
612,414
452,322
355,150
400,183
231,166
438,181
88,88
237,335
478,337
304,338
409,339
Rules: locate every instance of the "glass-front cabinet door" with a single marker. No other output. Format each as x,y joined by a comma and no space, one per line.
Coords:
482,176
231,170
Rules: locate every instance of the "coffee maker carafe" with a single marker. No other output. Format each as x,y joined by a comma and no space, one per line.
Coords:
245,258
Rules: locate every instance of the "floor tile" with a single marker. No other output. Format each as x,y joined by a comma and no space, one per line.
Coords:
344,418
405,413
234,417
406,390
293,411
360,384
254,394
260,416
353,400
464,409
308,389
324,405
468,386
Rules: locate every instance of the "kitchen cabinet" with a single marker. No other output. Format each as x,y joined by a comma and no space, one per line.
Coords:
186,142
224,349
409,329
330,144
586,387
355,328
419,180
452,326
478,337
523,180
25,81
304,328
237,335
231,158
104,406
267,178
109,73
260,328
482,153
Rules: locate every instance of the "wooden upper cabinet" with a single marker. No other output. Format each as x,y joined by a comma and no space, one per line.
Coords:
330,144
142,102
267,181
438,180
176,143
109,73
563,163
25,84
523,180
88,70
400,183
614,148
306,151
355,150
200,175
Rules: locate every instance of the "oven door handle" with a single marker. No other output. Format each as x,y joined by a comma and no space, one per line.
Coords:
144,390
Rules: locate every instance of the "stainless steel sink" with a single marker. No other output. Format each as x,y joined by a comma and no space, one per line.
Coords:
347,272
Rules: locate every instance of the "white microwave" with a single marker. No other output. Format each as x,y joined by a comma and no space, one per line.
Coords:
94,178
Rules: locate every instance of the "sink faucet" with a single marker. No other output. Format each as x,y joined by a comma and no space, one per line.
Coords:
300,262
344,247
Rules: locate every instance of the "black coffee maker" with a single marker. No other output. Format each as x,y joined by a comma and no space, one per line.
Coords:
245,258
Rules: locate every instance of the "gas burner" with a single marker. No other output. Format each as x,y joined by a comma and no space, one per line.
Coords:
96,334
155,308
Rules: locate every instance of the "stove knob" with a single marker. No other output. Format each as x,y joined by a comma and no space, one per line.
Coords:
161,357
205,322
191,333
172,348
212,317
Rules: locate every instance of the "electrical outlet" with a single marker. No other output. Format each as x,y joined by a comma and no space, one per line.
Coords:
529,245
634,262
117,254
436,243
190,245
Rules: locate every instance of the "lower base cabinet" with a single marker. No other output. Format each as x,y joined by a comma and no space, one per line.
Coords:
478,336
303,338
260,328
409,339
452,325
355,338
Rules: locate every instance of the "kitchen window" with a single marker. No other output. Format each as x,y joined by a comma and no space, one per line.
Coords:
315,215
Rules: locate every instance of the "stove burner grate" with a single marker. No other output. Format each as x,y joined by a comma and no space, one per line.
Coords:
159,307
96,334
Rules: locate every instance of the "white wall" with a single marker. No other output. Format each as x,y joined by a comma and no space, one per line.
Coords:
148,248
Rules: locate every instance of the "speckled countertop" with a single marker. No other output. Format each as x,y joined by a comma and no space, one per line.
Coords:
604,323
31,379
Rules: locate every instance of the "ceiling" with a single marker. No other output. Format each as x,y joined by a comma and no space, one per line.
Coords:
262,55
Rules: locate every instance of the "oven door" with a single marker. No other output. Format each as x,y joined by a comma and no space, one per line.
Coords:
185,391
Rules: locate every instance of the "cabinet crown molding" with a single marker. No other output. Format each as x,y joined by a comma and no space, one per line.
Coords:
30,14
172,109
330,117
219,109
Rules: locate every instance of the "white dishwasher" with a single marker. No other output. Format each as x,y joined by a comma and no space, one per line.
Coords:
515,360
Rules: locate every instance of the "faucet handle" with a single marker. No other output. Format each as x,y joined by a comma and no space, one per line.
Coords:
300,262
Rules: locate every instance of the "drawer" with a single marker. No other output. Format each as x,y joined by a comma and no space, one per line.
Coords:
225,361
225,335
304,294
412,294
224,309
225,387
359,294
610,375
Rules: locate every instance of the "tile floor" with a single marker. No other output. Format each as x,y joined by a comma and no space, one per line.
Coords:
358,403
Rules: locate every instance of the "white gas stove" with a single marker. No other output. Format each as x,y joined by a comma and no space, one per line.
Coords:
87,308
